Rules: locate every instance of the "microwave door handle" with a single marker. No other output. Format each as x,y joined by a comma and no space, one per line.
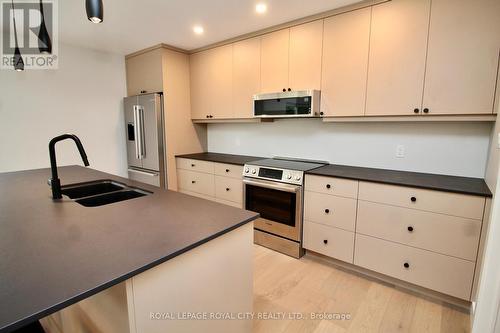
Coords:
136,132
273,185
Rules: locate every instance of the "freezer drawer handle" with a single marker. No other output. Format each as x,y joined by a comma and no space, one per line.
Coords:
145,173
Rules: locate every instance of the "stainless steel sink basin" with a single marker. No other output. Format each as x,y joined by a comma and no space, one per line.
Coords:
75,191
105,199
101,192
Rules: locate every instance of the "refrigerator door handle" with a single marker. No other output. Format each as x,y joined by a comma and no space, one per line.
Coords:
137,132
142,139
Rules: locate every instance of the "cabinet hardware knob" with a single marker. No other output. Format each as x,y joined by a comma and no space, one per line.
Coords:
227,188
325,241
410,228
193,181
321,113
227,170
192,165
284,89
406,265
143,91
210,116
328,186
207,116
327,211
426,110
416,110
413,199
289,89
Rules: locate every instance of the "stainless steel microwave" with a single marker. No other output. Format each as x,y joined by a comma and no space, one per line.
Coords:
290,104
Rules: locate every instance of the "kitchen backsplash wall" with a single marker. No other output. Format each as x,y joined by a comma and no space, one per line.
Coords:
84,97
445,148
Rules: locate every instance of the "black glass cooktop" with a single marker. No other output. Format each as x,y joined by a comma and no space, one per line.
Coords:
297,165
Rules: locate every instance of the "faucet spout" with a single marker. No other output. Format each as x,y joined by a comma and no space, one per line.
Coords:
54,181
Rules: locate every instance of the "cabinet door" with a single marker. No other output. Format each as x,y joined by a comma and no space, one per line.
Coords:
246,76
200,85
144,73
345,63
463,56
274,61
221,81
305,56
398,45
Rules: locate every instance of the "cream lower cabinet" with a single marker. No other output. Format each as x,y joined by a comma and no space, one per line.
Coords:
423,237
218,182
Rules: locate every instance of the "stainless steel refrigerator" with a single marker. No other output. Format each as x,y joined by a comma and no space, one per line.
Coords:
145,139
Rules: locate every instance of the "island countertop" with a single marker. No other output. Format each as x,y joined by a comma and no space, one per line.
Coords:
56,253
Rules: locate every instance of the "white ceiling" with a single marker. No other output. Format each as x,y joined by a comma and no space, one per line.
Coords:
131,25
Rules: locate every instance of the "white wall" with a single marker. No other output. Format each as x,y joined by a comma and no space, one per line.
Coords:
443,148
84,97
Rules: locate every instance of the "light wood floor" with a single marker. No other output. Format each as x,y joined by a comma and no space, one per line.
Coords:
284,284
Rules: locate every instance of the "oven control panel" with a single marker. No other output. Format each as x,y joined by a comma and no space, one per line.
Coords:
280,175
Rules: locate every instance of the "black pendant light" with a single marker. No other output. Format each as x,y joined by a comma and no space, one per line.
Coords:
18,59
44,42
94,10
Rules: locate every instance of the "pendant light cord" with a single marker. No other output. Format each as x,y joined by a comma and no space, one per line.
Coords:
14,19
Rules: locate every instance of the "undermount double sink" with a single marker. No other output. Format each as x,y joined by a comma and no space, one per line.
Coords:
101,192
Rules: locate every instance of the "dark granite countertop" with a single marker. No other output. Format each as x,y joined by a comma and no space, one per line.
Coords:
54,254
465,185
222,158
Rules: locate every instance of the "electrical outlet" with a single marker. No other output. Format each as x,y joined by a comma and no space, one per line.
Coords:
400,151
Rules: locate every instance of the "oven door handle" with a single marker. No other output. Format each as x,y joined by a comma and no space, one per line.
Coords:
273,185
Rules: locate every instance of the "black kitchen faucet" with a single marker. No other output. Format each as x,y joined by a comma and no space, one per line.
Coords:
54,181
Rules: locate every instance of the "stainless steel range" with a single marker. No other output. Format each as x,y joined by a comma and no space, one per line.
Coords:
274,188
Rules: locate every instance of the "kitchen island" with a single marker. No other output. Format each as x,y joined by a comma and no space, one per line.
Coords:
145,261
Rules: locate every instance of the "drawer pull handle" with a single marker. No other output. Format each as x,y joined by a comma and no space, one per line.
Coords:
325,241
410,228
328,186
193,182
192,165
227,188
406,265
227,170
413,199
327,211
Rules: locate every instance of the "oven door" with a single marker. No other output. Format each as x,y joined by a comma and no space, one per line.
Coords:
279,205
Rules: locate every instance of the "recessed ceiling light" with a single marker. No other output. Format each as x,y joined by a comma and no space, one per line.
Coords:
198,29
261,8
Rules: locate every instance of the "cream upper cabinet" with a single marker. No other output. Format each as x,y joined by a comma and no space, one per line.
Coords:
345,63
246,76
398,45
212,83
200,84
306,41
221,74
462,60
274,61
144,73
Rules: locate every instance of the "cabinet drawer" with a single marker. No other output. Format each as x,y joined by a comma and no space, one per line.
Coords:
451,235
228,170
330,241
329,185
198,182
330,210
198,195
448,275
434,201
229,203
229,189
195,165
